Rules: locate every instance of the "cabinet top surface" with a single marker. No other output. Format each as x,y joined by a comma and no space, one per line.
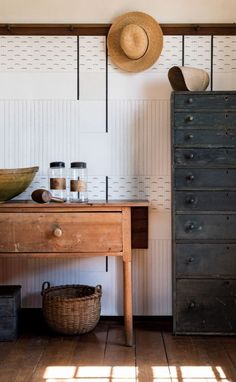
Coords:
72,206
207,92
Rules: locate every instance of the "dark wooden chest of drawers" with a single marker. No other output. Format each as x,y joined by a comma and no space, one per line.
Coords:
204,212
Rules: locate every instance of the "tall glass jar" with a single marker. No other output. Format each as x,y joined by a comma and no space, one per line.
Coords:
57,179
78,182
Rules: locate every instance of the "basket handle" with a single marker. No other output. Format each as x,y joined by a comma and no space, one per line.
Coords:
45,285
98,289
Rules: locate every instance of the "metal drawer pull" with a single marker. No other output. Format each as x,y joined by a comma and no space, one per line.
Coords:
190,200
189,118
192,227
190,260
190,100
190,177
189,156
57,232
189,136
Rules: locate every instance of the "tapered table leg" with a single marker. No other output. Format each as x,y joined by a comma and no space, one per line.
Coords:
128,310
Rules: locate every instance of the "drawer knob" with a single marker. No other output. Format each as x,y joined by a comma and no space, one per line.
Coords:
192,305
190,177
189,156
190,260
189,137
189,118
190,200
57,232
190,100
190,227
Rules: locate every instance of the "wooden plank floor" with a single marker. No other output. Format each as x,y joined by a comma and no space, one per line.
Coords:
100,356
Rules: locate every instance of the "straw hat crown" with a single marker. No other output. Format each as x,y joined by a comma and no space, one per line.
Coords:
135,41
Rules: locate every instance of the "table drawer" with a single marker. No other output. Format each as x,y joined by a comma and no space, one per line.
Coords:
205,101
61,232
205,260
205,178
206,306
205,119
214,137
205,201
202,157
207,227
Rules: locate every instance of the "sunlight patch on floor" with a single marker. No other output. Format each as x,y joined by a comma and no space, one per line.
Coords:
57,372
90,374
131,374
188,374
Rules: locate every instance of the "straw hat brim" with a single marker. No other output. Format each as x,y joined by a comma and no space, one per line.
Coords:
155,41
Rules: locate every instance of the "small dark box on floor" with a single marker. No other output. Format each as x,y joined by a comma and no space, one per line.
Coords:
10,302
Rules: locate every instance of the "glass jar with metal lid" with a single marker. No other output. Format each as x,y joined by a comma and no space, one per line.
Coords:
78,182
57,180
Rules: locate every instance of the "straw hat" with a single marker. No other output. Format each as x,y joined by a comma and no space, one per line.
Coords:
135,41
187,78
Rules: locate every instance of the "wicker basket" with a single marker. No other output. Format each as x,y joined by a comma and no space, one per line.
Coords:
71,309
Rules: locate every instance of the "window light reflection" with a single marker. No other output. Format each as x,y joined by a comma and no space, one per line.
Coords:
93,371
131,374
57,372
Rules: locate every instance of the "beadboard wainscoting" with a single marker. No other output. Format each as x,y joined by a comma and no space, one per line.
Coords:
61,98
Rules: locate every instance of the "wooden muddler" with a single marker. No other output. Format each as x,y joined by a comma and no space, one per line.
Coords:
44,196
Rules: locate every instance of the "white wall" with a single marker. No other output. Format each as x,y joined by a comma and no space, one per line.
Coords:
41,121
104,11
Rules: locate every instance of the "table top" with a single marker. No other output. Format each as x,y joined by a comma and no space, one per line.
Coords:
69,205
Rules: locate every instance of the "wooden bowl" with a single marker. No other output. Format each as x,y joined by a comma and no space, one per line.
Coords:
14,181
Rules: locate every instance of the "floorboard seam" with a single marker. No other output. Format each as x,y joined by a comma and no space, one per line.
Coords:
167,358
228,354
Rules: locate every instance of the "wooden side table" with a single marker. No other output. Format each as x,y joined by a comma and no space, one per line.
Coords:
93,229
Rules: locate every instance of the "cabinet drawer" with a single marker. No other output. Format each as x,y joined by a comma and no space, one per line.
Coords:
8,328
207,227
61,232
205,119
10,300
214,137
205,101
202,157
206,306
205,178
205,260
205,201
